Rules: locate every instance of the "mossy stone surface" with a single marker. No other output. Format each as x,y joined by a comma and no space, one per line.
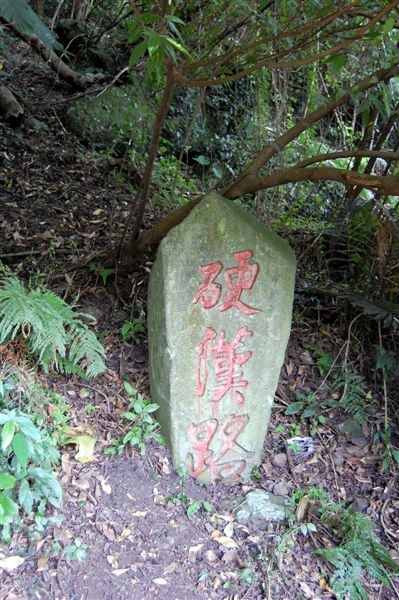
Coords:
110,119
219,317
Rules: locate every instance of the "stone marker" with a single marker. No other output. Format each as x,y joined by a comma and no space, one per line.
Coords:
219,316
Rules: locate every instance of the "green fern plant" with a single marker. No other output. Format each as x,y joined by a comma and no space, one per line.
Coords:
53,332
358,550
355,398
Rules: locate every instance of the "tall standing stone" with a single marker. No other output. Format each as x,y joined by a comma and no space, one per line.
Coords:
219,316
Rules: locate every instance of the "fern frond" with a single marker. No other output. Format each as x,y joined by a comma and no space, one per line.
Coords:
53,331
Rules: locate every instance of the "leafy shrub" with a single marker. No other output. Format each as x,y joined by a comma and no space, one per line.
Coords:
27,481
52,330
142,425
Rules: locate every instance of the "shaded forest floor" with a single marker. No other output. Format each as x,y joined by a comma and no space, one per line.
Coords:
60,204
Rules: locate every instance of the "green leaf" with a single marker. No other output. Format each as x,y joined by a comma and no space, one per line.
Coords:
294,408
337,62
7,434
395,455
137,52
308,412
150,408
21,449
202,160
8,509
130,416
129,389
25,496
7,481
388,25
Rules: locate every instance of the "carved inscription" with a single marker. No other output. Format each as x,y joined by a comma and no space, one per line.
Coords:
226,362
229,460
220,372
237,279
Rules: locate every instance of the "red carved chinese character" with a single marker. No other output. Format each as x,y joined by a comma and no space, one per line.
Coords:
200,437
240,278
229,461
209,292
202,365
228,367
227,364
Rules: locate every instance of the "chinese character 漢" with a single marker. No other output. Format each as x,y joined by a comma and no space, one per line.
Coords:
227,365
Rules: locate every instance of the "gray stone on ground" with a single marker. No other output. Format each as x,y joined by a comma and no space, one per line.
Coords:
260,508
219,317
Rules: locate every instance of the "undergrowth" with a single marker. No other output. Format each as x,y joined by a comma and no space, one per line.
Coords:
356,548
28,455
50,329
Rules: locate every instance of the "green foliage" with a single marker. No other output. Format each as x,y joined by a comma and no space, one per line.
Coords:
192,506
130,329
357,550
27,456
324,361
355,398
103,272
390,454
27,22
77,550
307,408
158,46
52,331
379,309
141,423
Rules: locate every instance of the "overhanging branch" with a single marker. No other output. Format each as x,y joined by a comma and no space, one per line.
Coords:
255,183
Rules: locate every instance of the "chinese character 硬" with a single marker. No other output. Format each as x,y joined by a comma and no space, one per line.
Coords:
236,280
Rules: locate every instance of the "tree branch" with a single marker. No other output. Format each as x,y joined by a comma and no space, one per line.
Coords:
254,183
306,123
388,155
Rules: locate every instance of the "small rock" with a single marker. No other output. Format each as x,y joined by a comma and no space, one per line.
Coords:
360,504
94,312
280,460
210,556
260,508
338,456
231,557
351,429
281,488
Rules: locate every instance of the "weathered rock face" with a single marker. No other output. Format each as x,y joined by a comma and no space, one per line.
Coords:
219,316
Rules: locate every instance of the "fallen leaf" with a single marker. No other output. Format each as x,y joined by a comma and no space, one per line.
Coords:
113,560
11,562
124,535
106,487
227,542
160,581
160,499
170,568
119,572
196,549
140,513
84,440
42,563
210,556
229,529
